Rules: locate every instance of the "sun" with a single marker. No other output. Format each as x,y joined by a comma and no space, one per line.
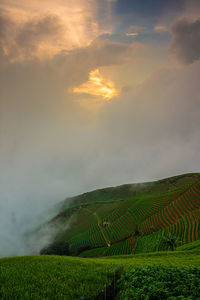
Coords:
97,85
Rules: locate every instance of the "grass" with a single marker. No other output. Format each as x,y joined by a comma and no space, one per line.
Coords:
190,247
55,277
45,277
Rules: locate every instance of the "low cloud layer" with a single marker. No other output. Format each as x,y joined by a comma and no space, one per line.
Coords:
185,45
47,138
52,148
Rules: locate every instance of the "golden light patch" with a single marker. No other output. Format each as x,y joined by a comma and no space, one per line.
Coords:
97,86
160,27
132,34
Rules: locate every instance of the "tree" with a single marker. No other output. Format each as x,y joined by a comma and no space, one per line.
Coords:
137,231
152,229
171,240
56,248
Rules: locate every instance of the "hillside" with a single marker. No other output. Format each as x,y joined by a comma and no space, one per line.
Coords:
131,218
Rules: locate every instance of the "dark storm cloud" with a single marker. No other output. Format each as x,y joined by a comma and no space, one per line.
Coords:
185,44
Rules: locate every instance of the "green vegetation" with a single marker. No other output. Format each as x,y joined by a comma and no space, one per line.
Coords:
59,277
150,243
190,247
160,283
171,241
52,277
131,230
132,218
57,248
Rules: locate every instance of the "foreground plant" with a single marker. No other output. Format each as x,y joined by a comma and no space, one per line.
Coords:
159,282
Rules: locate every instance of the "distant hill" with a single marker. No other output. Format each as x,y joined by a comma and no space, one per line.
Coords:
131,218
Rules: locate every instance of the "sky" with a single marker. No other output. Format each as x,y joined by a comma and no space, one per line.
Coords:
93,93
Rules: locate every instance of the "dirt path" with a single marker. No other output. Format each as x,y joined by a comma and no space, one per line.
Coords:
100,226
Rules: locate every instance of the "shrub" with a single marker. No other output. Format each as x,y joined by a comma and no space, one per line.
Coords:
137,232
56,248
83,248
171,240
159,282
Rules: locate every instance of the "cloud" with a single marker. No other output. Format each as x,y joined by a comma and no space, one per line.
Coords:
100,53
42,129
132,34
160,28
185,45
134,28
41,36
38,30
192,8
152,131
6,29
45,29
51,148
47,35
97,85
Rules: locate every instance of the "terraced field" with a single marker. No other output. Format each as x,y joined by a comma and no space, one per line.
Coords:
132,218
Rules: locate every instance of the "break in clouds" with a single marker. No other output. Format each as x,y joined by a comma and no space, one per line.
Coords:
52,146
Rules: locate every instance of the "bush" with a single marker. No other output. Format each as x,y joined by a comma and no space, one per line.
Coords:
83,248
137,232
159,282
56,248
171,241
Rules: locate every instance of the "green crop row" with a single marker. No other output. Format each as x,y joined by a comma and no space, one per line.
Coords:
148,212
187,228
188,201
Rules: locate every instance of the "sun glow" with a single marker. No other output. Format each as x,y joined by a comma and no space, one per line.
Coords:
97,86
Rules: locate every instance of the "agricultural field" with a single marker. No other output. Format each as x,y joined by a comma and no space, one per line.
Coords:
110,235
158,282
190,246
132,218
58,277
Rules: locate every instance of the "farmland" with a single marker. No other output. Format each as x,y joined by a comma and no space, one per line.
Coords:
131,218
112,238
56,277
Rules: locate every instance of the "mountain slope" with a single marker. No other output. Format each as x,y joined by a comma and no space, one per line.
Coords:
131,218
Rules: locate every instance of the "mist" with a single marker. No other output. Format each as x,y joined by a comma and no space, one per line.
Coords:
55,144
52,149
